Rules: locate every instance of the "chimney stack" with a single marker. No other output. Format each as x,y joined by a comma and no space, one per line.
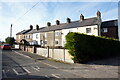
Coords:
81,17
68,20
48,24
37,27
31,27
57,22
98,14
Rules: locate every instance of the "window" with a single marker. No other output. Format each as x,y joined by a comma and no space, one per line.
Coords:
88,30
36,36
56,33
29,37
24,37
56,41
104,30
45,42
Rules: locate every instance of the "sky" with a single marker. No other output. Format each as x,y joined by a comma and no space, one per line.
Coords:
22,14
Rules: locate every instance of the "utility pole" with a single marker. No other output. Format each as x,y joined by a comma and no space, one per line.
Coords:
11,31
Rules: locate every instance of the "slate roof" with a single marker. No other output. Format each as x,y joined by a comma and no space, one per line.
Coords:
23,32
73,24
34,30
111,23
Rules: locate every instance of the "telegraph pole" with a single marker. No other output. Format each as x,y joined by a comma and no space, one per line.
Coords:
11,31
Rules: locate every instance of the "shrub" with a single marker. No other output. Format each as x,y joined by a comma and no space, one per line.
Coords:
84,47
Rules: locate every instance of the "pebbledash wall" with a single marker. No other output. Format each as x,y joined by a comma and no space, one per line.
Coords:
57,54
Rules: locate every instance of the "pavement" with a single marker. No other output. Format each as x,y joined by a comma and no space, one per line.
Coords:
17,64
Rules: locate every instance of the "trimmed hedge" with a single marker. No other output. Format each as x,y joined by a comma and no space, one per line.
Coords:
84,47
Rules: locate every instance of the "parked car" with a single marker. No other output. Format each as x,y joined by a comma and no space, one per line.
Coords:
5,47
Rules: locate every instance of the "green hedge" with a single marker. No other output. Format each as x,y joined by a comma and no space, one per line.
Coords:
84,47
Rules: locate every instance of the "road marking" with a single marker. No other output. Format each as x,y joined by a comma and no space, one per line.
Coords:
26,70
17,72
22,55
47,76
4,73
36,68
55,75
48,64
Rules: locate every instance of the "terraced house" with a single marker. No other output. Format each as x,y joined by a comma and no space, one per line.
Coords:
54,35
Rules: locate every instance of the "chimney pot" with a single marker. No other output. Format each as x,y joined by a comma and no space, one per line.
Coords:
37,27
68,20
57,22
48,24
31,27
81,17
98,14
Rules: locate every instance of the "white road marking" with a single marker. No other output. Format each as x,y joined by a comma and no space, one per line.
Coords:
47,76
36,68
26,70
50,65
55,75
17,72
4,73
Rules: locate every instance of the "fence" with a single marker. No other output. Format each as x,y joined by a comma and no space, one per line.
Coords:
57,54
30,49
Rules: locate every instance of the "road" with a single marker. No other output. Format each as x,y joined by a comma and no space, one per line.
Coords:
19,64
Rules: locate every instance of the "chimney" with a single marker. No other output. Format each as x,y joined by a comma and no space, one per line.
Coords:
98,14
31,27
37,27
48,24
81,17
68,20
57,22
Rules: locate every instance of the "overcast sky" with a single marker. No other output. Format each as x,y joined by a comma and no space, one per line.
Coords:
22,14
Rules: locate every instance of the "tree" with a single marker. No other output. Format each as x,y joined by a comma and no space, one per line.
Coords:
10,40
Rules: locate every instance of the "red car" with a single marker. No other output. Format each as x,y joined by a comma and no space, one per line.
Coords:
6,46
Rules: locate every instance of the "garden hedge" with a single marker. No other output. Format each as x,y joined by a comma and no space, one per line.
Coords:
84,47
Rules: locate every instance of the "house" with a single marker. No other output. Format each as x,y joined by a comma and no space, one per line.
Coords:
21,35
110,29
54,35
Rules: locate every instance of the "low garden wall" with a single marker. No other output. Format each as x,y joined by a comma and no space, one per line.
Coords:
57,54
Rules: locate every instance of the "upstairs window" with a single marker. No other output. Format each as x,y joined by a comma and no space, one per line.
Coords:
104,30
56,33
88,30
36,36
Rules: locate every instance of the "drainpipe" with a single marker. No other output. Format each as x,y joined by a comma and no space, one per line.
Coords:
53,44
99,27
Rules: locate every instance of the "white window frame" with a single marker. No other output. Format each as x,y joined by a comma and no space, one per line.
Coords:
36,36
56,33
56,40
104,30
88,31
